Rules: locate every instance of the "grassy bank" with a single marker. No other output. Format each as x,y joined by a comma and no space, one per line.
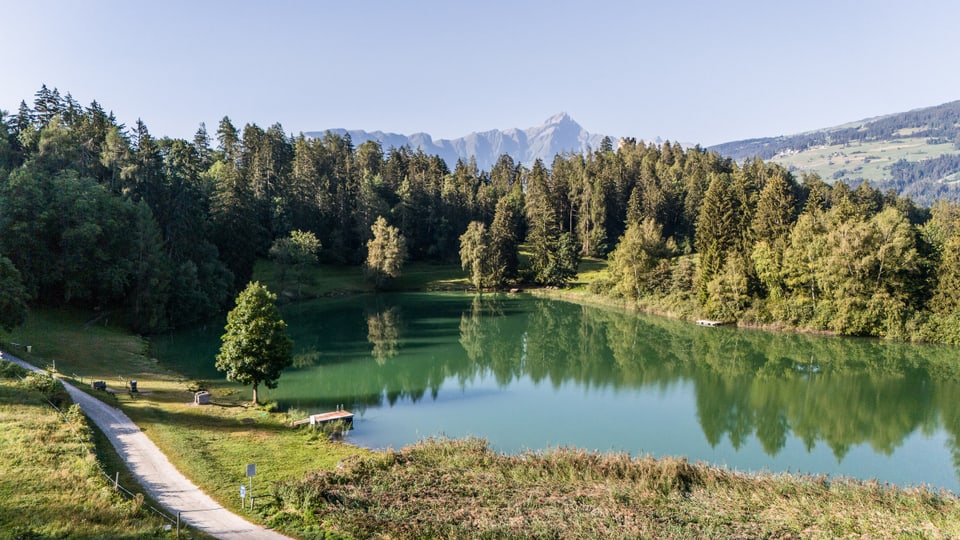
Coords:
461,489
332,280
212,444
51,483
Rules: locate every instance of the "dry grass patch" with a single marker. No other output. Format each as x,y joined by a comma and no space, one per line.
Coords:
51,483
460,489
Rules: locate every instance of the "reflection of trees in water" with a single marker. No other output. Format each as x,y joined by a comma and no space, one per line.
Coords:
838,391
841,391
305,359
491,340
383,333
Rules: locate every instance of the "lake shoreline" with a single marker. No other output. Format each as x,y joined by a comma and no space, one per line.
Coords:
725,503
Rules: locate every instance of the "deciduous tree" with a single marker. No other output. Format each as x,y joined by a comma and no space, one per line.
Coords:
475,254
296,252
256,347
386,253
637,255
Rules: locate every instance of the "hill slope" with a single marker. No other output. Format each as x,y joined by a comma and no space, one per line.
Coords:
555,135
915,153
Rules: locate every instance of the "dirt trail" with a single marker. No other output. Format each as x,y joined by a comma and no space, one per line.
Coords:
157,475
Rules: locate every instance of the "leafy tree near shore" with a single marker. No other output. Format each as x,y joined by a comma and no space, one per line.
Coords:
639,258
256,347
295,252
475,254
386,253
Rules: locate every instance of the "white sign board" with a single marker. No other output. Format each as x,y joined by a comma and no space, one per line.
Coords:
243,491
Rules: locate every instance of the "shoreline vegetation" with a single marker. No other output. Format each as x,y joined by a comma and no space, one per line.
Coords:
452,488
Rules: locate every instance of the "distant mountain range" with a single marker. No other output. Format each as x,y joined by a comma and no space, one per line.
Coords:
556,135
915,153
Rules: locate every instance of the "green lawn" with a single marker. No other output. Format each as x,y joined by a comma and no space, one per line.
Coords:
335,280
211,445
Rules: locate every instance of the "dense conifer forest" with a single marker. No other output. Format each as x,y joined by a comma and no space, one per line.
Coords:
99,215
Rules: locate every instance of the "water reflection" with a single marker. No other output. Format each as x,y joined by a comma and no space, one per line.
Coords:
383,333
745,385
841,392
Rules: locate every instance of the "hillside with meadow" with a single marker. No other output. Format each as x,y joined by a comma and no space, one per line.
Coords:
916,153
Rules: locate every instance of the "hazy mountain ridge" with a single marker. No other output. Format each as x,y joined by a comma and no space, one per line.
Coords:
556,135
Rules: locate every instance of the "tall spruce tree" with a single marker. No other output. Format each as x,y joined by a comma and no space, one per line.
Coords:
716,231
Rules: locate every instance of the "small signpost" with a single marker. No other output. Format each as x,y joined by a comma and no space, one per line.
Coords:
251,472
243,495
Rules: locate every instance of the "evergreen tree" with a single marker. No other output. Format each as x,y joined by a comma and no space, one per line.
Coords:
563,266
229,141
47,105
236,231
201,142
505,234
13,296
543,229
775,210
716,231
150,295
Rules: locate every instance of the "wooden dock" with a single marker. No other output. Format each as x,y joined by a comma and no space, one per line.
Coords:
323,418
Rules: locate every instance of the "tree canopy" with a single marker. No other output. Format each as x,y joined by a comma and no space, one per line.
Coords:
386,253
13,296
255,348
98,215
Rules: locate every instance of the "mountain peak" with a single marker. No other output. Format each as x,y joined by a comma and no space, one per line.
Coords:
559,118
558,134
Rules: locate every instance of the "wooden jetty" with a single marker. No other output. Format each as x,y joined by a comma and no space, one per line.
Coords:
323,418
706,322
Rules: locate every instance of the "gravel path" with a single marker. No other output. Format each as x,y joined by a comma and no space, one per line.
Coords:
157,475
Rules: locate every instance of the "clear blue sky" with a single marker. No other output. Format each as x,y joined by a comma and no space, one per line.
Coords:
700,72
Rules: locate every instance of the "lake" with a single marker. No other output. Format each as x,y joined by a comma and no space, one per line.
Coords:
532,373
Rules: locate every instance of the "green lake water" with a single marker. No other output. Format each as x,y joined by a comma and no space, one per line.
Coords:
531,373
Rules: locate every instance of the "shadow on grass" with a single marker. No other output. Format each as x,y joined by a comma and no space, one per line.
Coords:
204,417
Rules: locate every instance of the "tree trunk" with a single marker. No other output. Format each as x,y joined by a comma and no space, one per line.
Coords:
255,400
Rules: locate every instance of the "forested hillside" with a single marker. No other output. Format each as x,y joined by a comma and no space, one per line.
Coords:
165,231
